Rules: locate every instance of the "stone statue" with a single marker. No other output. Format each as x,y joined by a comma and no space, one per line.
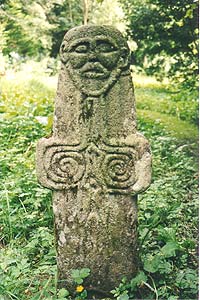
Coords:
96,162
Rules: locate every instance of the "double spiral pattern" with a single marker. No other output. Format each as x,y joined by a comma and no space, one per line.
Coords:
64,167
118,170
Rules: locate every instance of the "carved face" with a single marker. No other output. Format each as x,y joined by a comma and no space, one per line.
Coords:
93,62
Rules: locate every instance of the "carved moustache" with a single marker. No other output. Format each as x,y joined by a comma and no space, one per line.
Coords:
94,70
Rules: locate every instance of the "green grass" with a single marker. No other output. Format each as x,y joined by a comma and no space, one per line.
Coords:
162,98
168,216
176,112
182,130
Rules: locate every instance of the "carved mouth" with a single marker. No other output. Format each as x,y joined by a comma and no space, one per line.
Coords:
94,74
94,71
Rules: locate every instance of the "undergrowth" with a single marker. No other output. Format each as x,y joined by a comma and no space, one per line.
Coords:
167,210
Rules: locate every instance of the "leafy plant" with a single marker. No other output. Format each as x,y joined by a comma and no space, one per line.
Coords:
166,34
78,276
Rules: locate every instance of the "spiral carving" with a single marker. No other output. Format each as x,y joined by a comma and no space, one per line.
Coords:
64,168
119,170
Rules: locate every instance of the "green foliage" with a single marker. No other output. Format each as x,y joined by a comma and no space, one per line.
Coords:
25,28
36,28
26,99
168,215
26,219
167,240
79,275
182,104
166,33
63,293
166,232
167,235
63,16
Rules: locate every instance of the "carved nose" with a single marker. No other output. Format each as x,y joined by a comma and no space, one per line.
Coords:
92,57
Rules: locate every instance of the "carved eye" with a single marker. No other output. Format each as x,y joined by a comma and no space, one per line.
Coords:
81,48
105,46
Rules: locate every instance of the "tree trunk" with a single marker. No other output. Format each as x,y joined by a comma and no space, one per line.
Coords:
70,11
85,11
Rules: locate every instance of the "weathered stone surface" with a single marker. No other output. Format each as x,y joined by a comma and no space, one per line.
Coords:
96,162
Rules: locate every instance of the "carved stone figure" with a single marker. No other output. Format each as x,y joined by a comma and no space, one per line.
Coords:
95,61
96,162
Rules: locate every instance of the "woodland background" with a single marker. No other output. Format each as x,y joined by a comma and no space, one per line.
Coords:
163,37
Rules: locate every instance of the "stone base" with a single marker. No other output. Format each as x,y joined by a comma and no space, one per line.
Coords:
96,232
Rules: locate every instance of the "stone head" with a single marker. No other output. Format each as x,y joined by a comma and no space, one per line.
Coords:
95,56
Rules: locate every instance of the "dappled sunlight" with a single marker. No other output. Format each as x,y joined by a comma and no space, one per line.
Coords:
25,94
144,81
31,70
110,13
